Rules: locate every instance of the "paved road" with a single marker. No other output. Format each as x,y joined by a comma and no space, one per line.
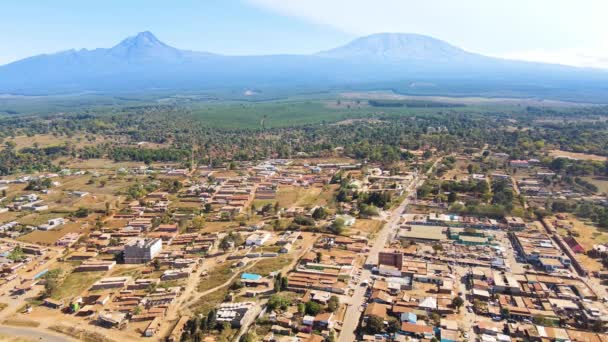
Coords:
34,334
353,313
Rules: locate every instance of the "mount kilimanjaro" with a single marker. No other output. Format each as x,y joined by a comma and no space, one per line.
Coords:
379,61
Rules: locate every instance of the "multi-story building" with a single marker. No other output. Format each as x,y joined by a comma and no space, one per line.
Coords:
141,250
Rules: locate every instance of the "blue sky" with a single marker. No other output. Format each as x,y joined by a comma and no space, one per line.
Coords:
232,27
561,31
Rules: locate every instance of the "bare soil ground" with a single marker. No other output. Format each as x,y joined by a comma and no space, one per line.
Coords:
8,338
365,227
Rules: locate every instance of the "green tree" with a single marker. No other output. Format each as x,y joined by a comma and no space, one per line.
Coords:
198,222
374,325
333,304
248,337
542,320
435,318
312,308
51,282
337,227
457,302
278,302
452,197
393,325
207,208
319,213
81,212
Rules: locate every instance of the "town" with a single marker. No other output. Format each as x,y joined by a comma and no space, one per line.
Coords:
329,249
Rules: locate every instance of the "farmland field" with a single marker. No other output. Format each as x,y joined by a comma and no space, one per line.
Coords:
275,114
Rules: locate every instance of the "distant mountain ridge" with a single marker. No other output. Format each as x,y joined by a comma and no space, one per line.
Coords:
143,62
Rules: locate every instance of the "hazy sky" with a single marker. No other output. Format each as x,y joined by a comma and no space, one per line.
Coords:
560,31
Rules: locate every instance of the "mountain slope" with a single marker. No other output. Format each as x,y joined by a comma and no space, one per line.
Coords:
143,62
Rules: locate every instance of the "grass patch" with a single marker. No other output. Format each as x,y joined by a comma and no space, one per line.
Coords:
210,301
600,182
216,277
365,226
266,266
37,219
274,114
126,271
217,226
3,306
75,283
289,196
269,249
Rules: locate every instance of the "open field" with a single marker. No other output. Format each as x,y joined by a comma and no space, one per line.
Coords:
210,301
458,172
574,155
472,100
289,196
218,226
266,266
275,114
9,216
81,334
216,276
600,182
49,237
124,270
586,234
46,140
35,219
365,227
88,164
75,284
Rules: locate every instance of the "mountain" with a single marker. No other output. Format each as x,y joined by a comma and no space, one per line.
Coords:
380,61
396,47
144,46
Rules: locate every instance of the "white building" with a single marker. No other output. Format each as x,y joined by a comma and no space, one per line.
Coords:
257,239
52,224
142,250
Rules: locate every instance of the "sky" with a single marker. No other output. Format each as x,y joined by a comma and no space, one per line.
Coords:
557,31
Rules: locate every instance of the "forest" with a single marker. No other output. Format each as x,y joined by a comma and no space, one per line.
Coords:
181,135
